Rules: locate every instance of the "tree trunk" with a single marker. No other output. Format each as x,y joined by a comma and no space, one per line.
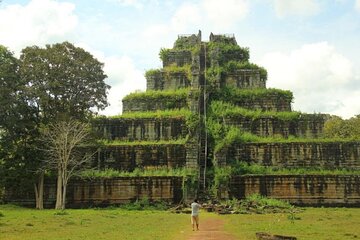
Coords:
36,196
64,195
39,192
59,197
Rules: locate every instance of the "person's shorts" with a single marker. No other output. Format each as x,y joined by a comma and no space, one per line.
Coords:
195,219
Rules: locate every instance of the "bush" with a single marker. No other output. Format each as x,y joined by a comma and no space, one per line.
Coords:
137,172
232,66
235,95
256,203
145,204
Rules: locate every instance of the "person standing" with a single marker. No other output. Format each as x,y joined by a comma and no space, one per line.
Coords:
195,206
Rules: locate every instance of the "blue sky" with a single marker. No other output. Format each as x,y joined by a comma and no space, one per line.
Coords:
310,47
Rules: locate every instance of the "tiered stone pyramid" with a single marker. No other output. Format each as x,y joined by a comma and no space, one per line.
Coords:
208,107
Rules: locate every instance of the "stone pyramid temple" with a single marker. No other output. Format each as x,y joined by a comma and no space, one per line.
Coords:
208,110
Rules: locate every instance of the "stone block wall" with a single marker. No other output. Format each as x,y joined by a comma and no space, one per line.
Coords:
328,155
305,190
155,81
142,105
104,192
129,157
178,58
167,81
245,79
272,102
268,126
144,129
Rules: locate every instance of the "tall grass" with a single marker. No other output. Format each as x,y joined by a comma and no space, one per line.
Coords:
107,142
220,109
233,66
152,95
244,168
175,113
232,94
148,172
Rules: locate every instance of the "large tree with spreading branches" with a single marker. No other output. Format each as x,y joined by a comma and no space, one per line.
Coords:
63,82
45,86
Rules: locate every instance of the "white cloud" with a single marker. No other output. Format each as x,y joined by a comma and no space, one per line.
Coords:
134,3
285,8
124,78
189,17
37,23
138,4
186,15
357,5
225,13
318,76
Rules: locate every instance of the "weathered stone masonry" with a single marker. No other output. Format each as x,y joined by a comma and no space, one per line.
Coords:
104,192
305,190
129,157
330,155
145,129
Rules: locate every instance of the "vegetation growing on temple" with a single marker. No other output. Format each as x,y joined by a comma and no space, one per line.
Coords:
168,95
202,108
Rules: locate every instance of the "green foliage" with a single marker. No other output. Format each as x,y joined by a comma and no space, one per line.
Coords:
213,75
19,156
152,73
244,168
192,122
107,142
233,66
168,99
232,135
182,43
63,80
221,109
174,95
235,95
262,204
185,43
223,38
144,204
94,223
164,54
228,51
175,113
336,128
61,213
225,135
174,69
222,177
149,172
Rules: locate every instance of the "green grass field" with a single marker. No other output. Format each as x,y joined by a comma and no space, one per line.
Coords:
22,223
312,223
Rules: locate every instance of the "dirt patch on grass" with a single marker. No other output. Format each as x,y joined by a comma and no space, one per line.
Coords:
212,229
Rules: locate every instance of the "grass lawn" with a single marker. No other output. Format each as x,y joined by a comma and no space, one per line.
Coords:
23,223
313,223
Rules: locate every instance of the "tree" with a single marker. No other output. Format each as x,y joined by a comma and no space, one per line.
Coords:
18,157
336,127
63,81
65,141
58,82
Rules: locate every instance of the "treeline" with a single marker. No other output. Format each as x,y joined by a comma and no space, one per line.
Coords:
47,98
336,127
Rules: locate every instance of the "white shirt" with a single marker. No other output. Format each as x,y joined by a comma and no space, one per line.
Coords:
195,209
